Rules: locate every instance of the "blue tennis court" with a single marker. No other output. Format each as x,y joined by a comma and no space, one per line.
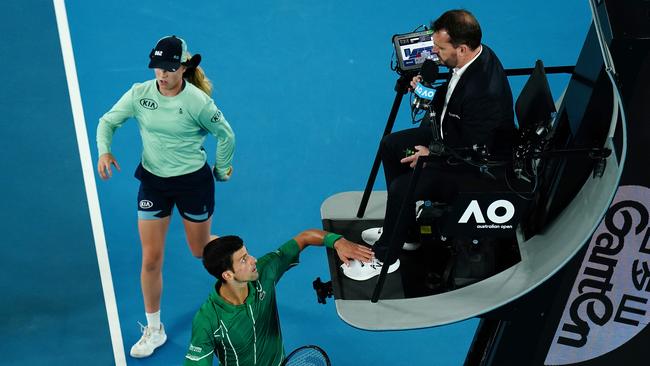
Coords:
307,88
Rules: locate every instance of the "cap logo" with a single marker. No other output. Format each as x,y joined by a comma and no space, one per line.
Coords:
158,53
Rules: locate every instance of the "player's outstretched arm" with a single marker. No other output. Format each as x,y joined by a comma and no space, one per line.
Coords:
345,249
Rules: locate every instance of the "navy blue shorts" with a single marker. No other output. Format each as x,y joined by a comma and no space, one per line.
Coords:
192,193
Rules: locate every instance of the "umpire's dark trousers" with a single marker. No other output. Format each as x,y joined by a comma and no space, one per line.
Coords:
438,182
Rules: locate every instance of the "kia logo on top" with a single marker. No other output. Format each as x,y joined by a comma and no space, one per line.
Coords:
148,103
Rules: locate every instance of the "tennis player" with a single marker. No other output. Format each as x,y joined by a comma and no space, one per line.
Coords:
239,320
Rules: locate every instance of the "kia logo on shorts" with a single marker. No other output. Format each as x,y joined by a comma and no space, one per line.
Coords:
148,103
146,204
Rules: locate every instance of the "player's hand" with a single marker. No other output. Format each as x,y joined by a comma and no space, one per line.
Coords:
414,82
219,177
348,250
104,165
413,159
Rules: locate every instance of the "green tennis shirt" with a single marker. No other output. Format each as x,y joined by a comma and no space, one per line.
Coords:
173,129
247,334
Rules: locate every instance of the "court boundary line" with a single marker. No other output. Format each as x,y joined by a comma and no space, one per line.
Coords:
89,182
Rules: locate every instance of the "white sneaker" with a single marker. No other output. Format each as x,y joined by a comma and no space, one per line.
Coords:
360,271
370,237
150,340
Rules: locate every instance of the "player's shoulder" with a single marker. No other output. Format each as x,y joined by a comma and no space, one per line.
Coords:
144,89
195,93
208,311
144,85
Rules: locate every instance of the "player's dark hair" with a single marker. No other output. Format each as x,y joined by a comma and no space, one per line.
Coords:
217,255
462,27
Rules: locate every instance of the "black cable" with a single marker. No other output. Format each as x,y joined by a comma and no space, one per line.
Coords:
437,139
519,194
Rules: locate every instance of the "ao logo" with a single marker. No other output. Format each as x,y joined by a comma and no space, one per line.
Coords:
473,209
146,204
424,92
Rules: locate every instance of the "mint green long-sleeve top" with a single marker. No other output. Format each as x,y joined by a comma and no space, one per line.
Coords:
173,129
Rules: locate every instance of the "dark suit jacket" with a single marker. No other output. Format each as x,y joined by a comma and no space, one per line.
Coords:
480,109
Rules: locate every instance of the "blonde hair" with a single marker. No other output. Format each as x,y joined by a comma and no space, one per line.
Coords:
197,77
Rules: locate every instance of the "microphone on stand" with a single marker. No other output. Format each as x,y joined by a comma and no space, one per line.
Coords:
423,91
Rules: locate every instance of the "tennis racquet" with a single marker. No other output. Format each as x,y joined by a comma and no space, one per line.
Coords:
307,356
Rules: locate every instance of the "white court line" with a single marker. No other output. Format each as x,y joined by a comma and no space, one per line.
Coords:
89,181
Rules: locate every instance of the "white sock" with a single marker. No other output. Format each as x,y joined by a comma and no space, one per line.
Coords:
153,320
